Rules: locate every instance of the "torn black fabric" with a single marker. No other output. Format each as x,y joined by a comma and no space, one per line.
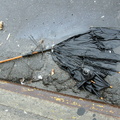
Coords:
89,57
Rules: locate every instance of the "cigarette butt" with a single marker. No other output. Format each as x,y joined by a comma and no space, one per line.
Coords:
92,81
118,72
52,71
111,86
101,98
1,25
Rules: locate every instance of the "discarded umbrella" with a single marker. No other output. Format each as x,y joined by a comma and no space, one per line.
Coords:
87,57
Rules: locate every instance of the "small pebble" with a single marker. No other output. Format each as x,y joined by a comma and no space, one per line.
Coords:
25,112
102,16
39,77
6,110
52,71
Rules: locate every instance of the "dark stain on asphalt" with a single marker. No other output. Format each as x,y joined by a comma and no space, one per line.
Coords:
81,111
94,115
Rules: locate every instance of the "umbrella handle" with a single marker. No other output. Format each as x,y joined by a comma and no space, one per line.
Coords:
10,59
26,55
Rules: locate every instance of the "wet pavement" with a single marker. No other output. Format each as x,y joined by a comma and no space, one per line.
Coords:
52,21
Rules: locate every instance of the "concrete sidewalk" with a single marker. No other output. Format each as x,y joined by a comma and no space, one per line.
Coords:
20,102
10,113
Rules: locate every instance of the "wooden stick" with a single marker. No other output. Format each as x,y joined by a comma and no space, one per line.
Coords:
14,58
26,55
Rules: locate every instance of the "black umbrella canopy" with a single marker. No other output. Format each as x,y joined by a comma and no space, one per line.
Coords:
89,57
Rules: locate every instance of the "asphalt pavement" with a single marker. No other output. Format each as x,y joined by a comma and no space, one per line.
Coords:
51,21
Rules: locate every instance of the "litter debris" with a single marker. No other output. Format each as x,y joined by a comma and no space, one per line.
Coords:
52,72
102,16
111,86
8,36
25,112
40,77
1,25
22,81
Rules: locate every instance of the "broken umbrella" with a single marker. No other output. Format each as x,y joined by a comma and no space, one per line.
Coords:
88,57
